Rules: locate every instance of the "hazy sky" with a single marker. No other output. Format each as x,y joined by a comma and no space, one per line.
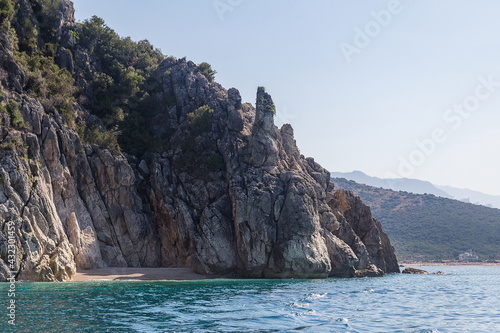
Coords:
391,88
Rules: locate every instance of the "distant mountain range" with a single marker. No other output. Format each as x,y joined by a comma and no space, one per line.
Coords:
422,187
428,227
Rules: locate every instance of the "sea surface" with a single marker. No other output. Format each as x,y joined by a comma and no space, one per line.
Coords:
464,299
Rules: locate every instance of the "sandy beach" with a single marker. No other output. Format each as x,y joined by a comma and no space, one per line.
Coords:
130,273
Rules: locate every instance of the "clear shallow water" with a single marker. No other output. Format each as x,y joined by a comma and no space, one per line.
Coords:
466,299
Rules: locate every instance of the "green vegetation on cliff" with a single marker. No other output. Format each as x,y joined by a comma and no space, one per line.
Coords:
197,160
32,36
207,71
123,85
88,64
125,66
51,85
16,119
430,227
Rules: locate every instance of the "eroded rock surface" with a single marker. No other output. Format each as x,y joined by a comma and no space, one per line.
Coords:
229,194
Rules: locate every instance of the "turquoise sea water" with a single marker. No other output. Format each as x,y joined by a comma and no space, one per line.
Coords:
465,299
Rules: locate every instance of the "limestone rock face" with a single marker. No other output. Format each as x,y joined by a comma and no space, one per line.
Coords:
72,207
363,232
266,211
227,195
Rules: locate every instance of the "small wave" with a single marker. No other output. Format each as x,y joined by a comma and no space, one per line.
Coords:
299,305
316,296
309,312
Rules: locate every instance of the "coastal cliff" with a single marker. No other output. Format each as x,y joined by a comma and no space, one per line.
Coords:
215,187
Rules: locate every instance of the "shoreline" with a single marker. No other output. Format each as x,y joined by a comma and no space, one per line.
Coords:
137,274
187,274
406,264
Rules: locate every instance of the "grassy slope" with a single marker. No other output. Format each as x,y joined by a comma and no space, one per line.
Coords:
434,227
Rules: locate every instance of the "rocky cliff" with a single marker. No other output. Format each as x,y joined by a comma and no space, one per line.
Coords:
221,189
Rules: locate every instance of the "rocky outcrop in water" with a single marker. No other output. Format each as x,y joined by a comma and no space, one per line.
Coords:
227,193
411,270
